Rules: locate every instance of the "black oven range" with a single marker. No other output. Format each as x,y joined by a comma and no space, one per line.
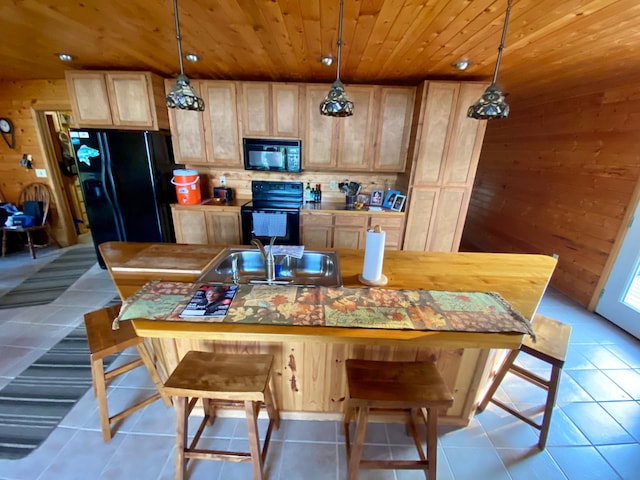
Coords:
274,211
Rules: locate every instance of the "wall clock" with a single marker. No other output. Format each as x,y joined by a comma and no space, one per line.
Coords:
6,128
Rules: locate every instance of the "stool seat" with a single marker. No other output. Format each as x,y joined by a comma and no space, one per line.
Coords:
217,378
550,346
104,341
416,387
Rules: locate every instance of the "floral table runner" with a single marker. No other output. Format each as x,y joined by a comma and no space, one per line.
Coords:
337,307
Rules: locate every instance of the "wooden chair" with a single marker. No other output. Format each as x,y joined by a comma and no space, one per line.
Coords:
416,387
104,341
35,192
216,378
552,340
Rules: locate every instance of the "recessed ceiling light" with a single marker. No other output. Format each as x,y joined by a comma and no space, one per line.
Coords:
327,61
461,64
64,57
191,57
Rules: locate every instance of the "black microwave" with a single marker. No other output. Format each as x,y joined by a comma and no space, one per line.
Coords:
272,155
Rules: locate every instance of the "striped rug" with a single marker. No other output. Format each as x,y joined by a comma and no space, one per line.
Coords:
32,405
48,283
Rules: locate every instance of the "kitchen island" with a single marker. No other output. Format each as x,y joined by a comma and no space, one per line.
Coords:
308,375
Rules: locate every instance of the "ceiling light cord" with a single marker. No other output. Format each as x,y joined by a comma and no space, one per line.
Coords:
501,47
178,38
339,40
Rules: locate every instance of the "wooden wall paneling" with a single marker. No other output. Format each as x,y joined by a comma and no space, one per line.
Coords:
313,385
292,378
187,130
561,173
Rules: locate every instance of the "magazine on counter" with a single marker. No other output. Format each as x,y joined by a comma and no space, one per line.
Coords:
210,301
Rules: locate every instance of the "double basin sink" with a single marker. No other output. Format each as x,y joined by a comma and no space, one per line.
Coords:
247,265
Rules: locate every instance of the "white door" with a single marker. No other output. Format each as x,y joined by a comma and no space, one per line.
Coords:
620,300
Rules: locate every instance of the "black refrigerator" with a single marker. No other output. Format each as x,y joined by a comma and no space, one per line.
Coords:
125,177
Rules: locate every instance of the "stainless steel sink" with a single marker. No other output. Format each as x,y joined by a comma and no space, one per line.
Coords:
246,265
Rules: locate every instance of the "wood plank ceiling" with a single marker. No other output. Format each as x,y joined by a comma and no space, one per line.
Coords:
550,44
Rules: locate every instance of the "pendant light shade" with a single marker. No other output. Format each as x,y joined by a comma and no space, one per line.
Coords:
336,103
182,94
492,103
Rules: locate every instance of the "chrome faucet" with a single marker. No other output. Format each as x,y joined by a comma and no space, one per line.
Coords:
267,257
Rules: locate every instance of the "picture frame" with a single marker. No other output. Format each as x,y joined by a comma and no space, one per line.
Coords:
390,198
398,203
377,196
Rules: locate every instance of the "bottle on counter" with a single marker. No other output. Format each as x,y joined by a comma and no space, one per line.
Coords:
307,192
318,194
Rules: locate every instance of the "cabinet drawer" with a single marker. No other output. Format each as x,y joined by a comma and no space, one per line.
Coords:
316,219
351,220
386,222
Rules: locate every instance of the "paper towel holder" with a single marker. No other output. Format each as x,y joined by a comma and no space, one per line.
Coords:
380,282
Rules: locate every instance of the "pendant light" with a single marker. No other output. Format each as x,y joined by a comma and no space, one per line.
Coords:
182,94
492,103
336,103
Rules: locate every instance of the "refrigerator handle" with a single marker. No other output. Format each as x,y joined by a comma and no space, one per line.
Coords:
110,187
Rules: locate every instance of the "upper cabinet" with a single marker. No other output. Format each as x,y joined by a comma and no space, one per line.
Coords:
221,123
270,109
375,138
394,128
187,130
125,100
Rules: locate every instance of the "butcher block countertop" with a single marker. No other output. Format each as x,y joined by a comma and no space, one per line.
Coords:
519,278
308,359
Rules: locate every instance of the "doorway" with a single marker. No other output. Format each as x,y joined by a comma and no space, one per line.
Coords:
620,298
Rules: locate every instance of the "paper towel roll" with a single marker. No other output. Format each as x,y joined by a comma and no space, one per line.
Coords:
373,255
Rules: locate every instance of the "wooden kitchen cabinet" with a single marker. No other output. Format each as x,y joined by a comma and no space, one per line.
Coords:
270,110
349,231
394,128
221,123
392,225
444,164
125,100
317,230
187,130
320,132
200,225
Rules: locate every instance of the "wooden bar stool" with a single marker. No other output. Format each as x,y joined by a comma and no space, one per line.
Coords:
416,387
552,340
104,341
216,378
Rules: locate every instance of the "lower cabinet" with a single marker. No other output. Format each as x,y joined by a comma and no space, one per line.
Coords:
329,230
206,226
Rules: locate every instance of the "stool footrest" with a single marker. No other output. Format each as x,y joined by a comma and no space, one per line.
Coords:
516,413
108,375
134,408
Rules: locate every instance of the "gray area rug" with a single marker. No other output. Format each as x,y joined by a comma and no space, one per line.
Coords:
32,405
52,280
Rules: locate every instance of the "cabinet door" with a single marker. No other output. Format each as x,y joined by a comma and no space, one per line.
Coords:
223,228
221,123
349,231
89,98
392,227
439,112
131,97
420,212
256,109
285,110
320,132
190,226
356,132
317,230
394,128
187,131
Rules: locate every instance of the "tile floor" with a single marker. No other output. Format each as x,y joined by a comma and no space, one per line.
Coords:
595,432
